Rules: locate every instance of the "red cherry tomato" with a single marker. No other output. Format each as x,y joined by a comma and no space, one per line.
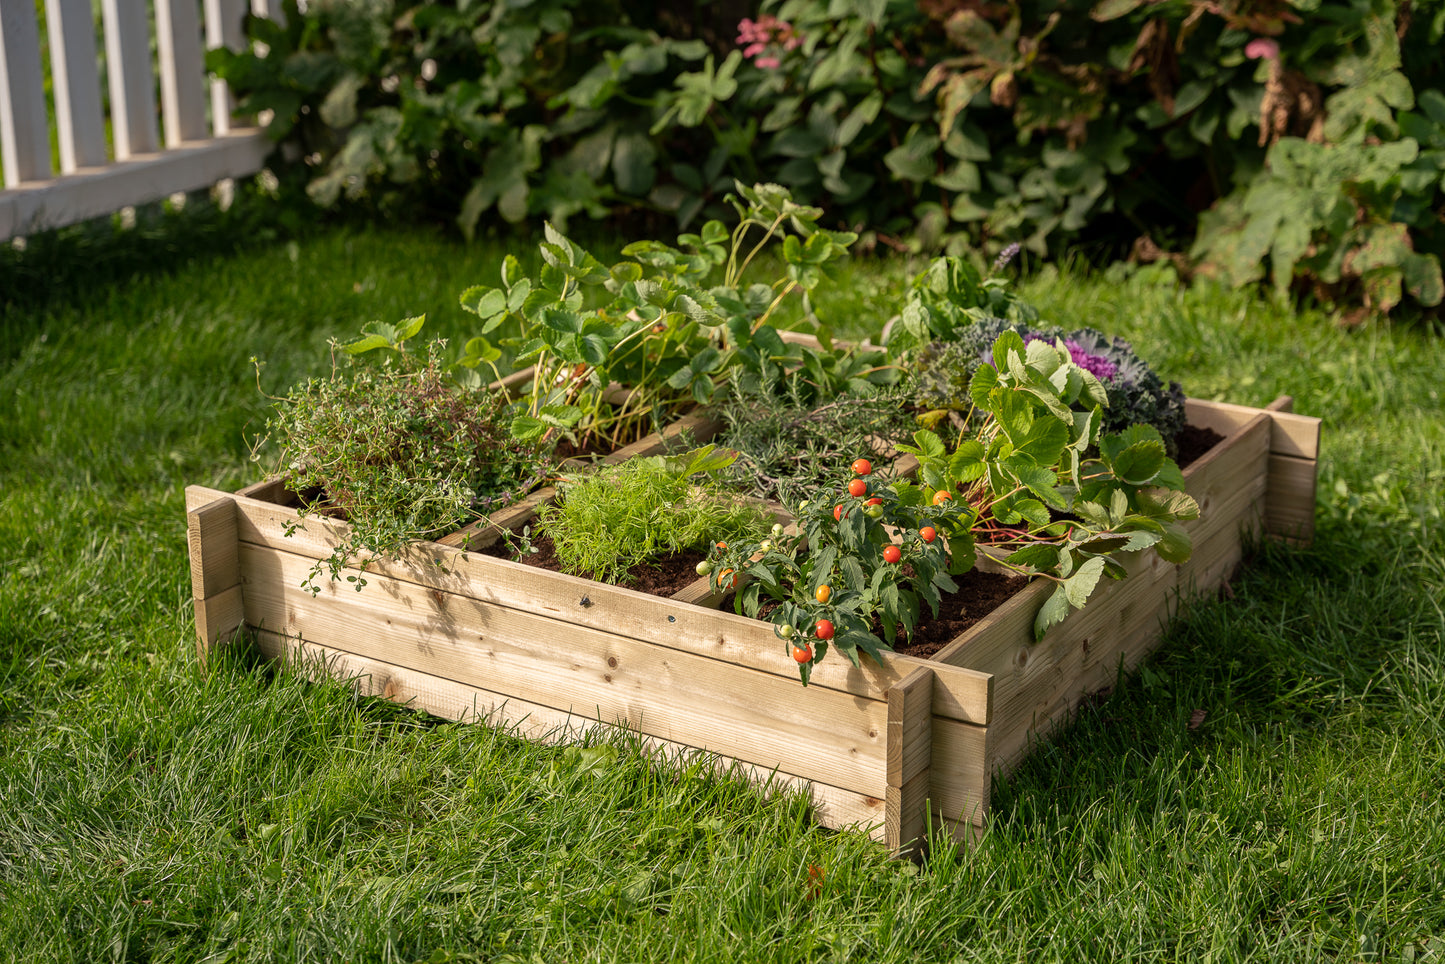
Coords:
928,533
837,513
892,554
857,488
803,653
874,501
862,467
824,629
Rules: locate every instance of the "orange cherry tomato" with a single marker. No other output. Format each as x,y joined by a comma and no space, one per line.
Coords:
941,496
802,653
862,467
823,594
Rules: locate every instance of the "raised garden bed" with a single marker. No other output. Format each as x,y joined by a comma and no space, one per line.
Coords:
471,637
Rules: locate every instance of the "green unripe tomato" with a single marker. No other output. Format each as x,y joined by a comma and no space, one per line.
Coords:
785,631
704,567
873,511
765,545
777,529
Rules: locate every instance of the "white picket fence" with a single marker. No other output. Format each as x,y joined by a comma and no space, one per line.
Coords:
99,174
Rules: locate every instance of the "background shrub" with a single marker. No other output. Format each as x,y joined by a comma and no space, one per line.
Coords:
1300,138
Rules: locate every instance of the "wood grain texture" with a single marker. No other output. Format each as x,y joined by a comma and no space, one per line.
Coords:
910,753
1290,507
958,694
832,806
218,618
724,707
211,534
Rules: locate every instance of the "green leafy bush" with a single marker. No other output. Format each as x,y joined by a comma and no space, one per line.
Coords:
462,109
943,124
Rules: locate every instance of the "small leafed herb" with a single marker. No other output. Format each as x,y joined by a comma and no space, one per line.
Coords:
641,510
400,450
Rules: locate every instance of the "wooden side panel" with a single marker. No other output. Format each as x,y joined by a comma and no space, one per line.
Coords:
958,693
961,770
832,806
24,128
724,707
1290,512
75,83
910,756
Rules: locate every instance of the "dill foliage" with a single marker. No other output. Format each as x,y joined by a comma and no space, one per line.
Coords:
642,510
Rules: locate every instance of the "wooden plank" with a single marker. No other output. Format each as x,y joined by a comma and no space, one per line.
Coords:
723,707
910,753
215,562
75,83
958,694
182,71
93,192
224,28
960,770
24,127
1290,502
1295,435
128,64
832,806
217,620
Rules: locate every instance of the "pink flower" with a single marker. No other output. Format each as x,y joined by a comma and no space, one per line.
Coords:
757,36
1262,47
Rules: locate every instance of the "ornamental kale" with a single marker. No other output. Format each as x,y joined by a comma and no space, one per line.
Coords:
941,374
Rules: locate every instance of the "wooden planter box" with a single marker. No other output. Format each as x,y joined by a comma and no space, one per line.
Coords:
885,747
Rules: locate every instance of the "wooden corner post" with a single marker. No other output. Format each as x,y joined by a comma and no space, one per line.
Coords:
910,759
211,530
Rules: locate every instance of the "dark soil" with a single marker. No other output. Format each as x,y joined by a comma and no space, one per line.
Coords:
663,578
979,593
1194,442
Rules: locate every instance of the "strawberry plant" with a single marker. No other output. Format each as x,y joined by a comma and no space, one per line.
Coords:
1047,485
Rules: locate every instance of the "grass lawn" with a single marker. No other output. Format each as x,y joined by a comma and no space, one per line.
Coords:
152,813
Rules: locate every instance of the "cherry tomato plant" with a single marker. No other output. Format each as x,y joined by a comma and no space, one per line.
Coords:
839,568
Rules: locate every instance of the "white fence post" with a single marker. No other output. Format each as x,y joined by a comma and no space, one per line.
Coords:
127,60
24,136
75,82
